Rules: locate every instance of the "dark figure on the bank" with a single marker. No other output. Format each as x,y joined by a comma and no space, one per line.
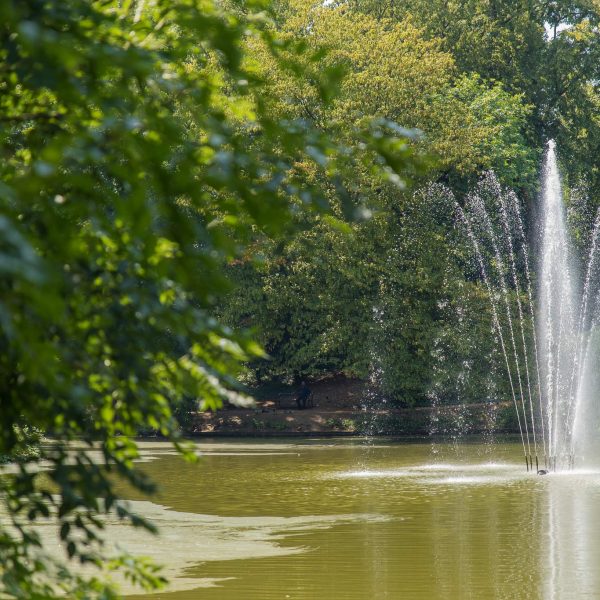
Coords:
542,472
303,396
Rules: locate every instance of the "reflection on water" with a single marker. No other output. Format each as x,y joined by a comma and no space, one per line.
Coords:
350,521
572,547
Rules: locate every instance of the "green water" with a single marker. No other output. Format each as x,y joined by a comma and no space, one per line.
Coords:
349,520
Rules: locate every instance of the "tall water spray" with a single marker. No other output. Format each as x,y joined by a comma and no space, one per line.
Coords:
559,329
568,331
550,338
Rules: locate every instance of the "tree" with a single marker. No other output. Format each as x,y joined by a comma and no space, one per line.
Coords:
500,40
572,92
398,70
139,153
315,298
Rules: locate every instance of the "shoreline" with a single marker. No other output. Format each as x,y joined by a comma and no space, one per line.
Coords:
267,421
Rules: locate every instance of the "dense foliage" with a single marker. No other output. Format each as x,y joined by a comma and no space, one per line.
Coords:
488,83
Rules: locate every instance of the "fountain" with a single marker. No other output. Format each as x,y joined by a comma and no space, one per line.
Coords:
552,377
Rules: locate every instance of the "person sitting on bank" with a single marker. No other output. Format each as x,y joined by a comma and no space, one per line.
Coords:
303,396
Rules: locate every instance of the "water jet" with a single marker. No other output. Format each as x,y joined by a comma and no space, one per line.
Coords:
545,321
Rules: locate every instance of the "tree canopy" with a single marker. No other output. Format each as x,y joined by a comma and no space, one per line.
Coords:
487,83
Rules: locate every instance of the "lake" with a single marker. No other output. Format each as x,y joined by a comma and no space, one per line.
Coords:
357,519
